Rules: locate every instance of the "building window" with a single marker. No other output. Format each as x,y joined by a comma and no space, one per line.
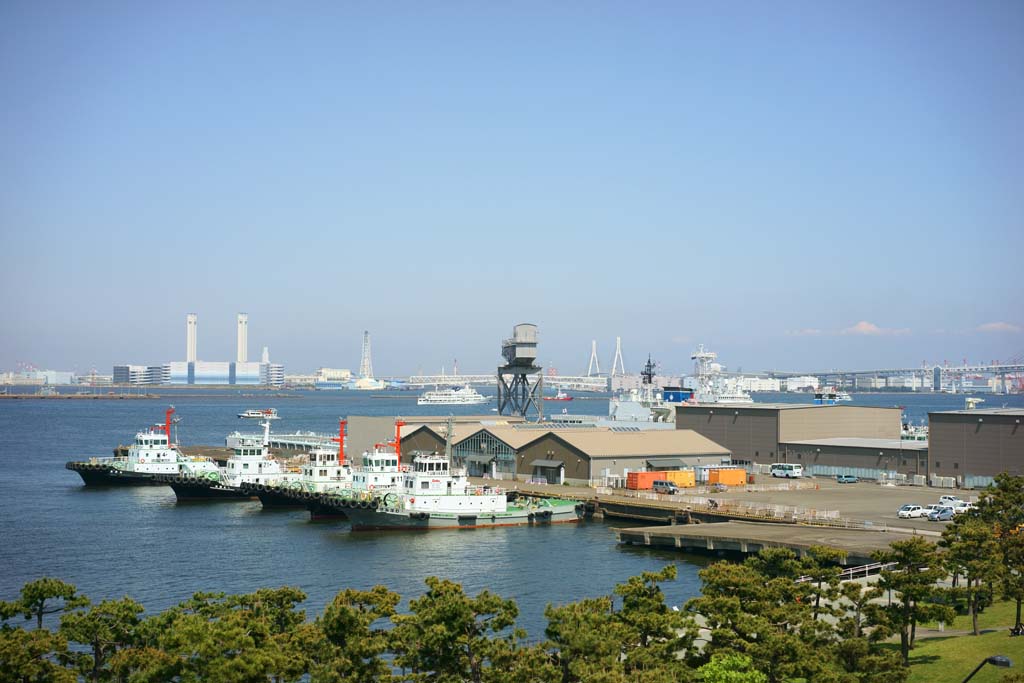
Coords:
424,484
956,466
799,456
938,465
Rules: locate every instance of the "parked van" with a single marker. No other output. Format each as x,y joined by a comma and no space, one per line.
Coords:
787,470
661,486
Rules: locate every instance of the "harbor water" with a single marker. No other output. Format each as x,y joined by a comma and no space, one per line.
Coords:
140,542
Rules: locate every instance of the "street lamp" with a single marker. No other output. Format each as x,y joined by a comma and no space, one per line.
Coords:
994,660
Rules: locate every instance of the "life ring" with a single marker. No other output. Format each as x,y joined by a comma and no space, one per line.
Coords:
411,501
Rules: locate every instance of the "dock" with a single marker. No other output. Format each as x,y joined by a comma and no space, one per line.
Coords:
752,537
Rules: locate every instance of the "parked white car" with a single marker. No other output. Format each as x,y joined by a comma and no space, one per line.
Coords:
949,500
962,506
910,512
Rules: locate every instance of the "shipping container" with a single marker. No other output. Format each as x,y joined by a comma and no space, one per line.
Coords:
728,477
682,478
642,481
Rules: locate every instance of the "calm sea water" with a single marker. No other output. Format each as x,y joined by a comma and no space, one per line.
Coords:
140,542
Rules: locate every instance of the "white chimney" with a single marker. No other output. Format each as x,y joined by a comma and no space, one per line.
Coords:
243,338
190,338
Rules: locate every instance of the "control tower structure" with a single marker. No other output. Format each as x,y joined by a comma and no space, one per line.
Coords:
516,394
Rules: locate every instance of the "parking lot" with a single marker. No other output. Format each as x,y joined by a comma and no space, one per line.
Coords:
862,501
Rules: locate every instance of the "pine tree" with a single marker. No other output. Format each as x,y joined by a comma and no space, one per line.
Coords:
918,568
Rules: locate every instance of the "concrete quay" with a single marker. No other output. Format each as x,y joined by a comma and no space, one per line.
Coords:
864,505
752,537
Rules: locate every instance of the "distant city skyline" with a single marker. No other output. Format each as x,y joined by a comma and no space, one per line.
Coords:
797,186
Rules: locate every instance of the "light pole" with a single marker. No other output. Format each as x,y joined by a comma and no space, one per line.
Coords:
994,660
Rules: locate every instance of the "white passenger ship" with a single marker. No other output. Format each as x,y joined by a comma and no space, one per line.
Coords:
464,396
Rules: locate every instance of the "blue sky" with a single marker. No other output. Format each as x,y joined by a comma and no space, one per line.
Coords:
796,184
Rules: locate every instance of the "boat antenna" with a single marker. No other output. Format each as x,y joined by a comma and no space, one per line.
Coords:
448,440
341,440
398,440
266,433
167,423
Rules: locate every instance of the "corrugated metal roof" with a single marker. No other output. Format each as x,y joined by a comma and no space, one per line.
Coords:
772,406
983,411
608,444
516,438
855,442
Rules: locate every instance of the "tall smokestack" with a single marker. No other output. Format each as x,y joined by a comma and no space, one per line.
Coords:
243,337
190,339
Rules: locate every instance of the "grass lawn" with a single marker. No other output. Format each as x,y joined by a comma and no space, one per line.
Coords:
949,660
998,614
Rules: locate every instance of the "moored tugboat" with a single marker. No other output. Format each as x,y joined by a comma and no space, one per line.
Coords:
250,463
151,455
326,471
432,495
329,476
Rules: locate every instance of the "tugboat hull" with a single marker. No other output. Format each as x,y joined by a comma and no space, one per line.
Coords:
372,518
197,488
96,474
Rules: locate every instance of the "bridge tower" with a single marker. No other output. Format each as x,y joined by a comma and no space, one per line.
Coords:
618,367
515,392
594,366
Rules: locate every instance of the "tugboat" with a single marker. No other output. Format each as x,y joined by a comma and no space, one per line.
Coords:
151,455
434,496
560,396
250,463
381,472
326,472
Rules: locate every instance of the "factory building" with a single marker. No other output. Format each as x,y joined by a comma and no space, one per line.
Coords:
969,447
210,373
756,433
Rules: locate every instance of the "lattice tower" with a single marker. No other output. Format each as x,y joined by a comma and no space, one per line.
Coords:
365,364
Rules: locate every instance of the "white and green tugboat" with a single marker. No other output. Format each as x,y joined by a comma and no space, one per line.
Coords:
433,495
152,455
250,463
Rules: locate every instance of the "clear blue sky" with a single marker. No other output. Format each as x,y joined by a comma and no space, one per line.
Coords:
795,184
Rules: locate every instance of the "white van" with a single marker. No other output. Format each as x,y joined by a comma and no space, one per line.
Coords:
787,470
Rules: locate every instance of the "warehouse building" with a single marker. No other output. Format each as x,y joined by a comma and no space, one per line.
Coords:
969,447
757,433
863,458
581,455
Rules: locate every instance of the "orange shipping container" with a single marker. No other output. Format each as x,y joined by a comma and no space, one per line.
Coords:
682,478
642,481
730,477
